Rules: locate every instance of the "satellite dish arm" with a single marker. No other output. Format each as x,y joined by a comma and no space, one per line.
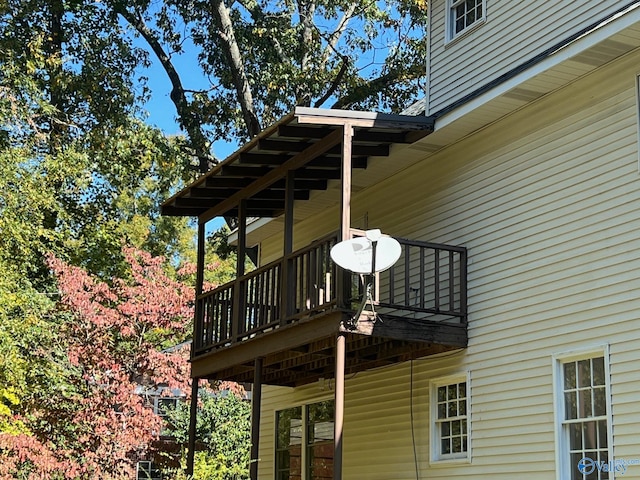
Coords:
367,297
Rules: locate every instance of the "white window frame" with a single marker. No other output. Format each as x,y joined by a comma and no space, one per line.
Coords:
436,456
451,33
563,460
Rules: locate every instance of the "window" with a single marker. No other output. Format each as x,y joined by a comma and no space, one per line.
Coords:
450,419
148,471
289,444
463,14
311,426
162,405
583,414
320,441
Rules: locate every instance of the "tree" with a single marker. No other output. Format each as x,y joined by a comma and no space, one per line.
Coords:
223,430
264,57
115,340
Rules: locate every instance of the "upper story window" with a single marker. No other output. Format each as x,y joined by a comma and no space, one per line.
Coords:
463,14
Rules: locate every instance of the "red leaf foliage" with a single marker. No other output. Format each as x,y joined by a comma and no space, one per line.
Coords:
115,340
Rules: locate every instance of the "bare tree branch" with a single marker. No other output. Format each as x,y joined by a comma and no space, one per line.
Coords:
334,38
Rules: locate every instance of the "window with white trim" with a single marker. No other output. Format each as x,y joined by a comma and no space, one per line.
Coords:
584,421
463,14
304,442
450,419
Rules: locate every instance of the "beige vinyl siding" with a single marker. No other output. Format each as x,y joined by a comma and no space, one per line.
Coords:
513,33
547,202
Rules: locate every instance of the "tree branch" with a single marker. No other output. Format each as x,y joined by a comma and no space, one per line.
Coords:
335,84
240,80
376,85
187,119
258,16
334,38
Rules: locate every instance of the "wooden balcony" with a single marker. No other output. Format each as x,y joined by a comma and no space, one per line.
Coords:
289,312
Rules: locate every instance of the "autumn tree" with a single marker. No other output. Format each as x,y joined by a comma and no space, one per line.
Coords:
116,340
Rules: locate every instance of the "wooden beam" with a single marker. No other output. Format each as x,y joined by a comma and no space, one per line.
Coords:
318,174
294,163
345,175
244,171
283,145
217,181
302,185
298,131
316,116
322,161
413,330
338,423
238,291
282,339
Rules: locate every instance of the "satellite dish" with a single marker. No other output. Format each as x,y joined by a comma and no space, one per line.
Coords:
357,254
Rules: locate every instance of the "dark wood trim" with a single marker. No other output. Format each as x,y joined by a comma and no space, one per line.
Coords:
256,403
338,424
285,338
294,163
409,329
193,413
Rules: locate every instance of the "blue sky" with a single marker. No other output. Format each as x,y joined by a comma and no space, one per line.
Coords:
162,112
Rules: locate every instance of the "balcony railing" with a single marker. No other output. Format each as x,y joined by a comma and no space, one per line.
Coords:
428,282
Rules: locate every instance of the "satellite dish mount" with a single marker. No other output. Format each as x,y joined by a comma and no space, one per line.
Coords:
366,256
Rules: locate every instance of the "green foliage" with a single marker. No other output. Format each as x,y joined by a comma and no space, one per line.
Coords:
320,53
223,434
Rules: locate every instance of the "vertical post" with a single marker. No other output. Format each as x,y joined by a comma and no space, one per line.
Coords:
198,324
341,341
288,279
193,412
341,349
197,337
256,401
345,200
238,297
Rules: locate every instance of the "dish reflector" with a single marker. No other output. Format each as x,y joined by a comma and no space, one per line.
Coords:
356,254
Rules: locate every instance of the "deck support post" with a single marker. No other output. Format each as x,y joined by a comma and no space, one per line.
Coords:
339,405
341,341
256,401
197,338
288,279
193,415
238,298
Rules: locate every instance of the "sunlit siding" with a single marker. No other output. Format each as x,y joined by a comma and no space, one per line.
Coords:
547,202
513,33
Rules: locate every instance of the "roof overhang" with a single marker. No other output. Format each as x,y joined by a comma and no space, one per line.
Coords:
307,142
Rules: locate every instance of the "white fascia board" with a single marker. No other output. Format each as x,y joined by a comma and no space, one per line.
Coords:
601,32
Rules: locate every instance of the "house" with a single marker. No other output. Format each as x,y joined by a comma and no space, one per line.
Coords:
504,342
